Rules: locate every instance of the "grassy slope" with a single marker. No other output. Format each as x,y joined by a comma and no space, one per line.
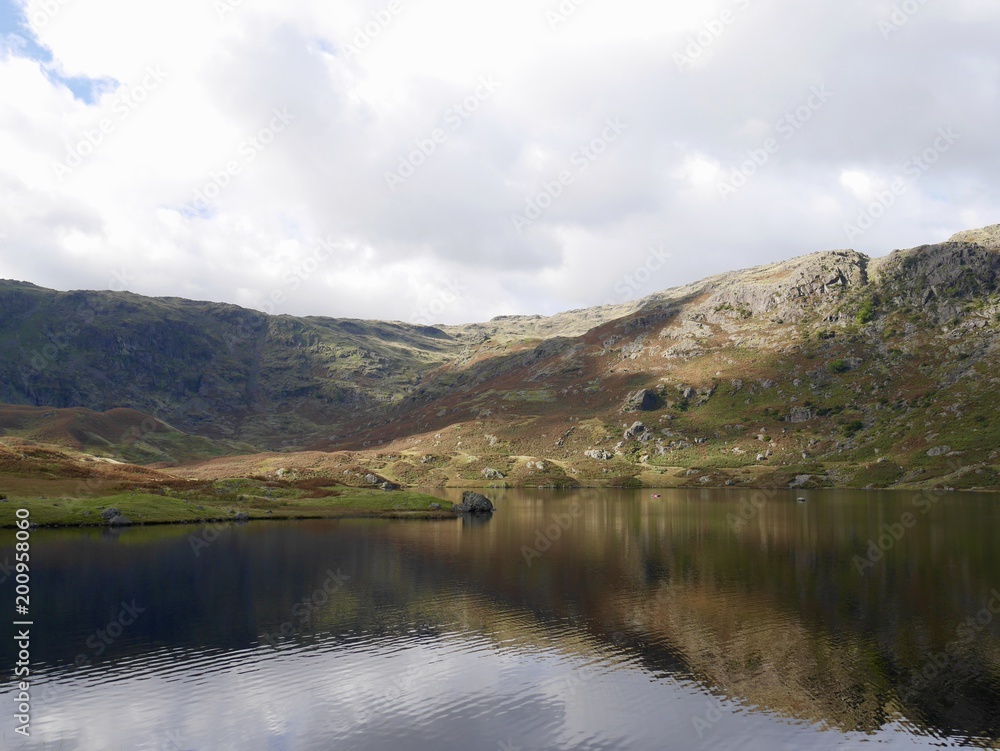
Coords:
121,434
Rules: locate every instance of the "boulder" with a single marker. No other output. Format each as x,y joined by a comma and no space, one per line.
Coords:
120,521
474,503
800,414
641,401
389,486
110,513
373,479
492,474
243,516
635,431
435,507
599,454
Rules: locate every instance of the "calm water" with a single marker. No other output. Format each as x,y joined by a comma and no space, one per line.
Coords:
571,620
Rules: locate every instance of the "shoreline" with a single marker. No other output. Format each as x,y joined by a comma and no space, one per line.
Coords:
423,515
415,505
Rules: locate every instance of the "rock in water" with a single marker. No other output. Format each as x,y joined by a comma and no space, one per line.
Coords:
474,503
120,521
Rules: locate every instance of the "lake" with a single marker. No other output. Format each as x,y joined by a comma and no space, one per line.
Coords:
584,619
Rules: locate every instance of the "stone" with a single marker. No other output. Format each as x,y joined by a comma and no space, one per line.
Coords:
638,432
599,454
492,474
474,503
799,481
939,451
373,479
243,516
389,486
800,414
110,513
435,507
120,521
641,401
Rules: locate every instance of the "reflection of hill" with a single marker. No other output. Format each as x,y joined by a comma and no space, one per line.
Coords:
773,614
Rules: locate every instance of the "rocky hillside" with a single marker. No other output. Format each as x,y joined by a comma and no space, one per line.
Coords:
828,369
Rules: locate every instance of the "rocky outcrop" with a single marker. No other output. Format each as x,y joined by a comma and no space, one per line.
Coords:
789,288
599,454
987,237
939,279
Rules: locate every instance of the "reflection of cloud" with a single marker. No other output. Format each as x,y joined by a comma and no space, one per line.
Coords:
380,692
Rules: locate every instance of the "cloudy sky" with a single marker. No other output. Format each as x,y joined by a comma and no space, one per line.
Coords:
449,161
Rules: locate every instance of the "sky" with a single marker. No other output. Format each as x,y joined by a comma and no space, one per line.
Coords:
441,161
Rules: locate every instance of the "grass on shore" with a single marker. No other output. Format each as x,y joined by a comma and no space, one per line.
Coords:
221,503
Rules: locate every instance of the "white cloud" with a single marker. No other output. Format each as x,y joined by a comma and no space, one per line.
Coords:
857,182
358,113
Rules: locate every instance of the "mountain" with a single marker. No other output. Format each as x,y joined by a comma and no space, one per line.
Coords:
828,369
